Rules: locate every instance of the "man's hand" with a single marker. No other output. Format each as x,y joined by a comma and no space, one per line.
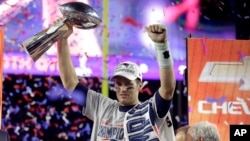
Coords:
157,33
66,27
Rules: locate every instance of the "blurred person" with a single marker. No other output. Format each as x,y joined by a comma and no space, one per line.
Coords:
181,133
126,118
203,131
4,136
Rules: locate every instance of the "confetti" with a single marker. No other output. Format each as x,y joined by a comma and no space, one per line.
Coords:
203,41
30,112
131,21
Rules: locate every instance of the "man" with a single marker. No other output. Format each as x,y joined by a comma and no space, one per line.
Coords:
4,136
126,119
203,131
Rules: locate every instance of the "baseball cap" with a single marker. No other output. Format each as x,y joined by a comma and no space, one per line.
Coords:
128,70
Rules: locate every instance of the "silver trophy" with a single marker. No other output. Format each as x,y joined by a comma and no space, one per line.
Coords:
79,14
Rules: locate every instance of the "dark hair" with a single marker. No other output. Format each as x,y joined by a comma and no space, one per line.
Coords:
138,80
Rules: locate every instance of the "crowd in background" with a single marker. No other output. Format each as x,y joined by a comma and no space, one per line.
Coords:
38,108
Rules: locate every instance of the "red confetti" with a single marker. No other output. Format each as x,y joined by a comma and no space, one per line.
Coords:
131,21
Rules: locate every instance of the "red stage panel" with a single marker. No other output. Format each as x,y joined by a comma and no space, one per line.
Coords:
219,82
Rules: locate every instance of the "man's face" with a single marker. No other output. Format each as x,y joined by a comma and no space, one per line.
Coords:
127,91
188,137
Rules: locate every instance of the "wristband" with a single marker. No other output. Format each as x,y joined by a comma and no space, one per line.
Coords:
163,55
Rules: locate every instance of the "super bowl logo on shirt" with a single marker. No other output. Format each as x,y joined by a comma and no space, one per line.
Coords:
111,132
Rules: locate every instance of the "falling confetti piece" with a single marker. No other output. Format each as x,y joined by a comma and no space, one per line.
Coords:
131,21
226,123
203,41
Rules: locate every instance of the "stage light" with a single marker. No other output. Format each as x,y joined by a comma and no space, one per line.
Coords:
143,68
181,69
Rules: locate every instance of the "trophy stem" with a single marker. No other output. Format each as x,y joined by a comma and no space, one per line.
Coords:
37,45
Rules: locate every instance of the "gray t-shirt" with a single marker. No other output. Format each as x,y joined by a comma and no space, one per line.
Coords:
140,123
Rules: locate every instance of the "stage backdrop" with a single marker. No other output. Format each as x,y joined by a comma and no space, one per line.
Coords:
219,82
127,39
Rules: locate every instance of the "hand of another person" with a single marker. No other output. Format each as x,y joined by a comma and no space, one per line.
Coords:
157,33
